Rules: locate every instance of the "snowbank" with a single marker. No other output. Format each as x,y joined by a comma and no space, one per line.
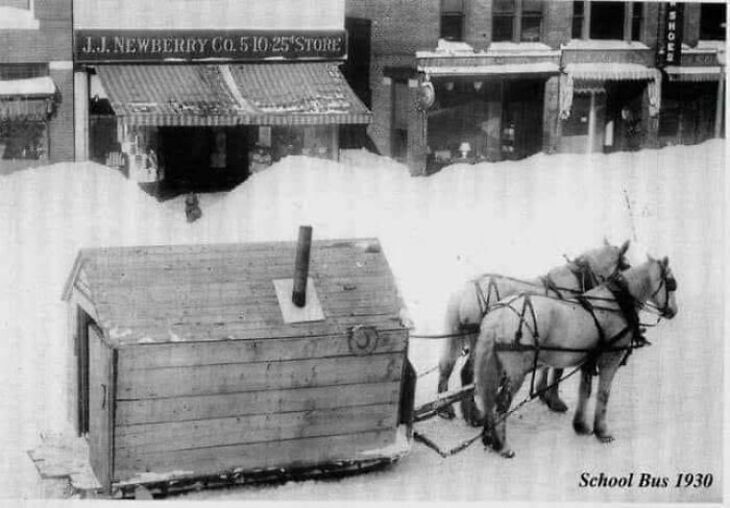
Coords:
516,218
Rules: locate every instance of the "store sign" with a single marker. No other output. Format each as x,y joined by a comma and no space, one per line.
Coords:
153,45
670,52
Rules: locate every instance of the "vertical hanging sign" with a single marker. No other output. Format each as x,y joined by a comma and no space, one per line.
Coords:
671,45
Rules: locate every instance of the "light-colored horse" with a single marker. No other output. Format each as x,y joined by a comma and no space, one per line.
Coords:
594,331
467,307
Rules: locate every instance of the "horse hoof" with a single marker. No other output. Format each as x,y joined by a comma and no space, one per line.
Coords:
507,454
604,438
581,428
557,406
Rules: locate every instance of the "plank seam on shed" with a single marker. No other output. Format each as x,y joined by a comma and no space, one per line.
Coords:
394,380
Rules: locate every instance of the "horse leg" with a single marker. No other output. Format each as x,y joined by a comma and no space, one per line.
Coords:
449,355
512,381
468,408
549,392
605,378
584,393
488,373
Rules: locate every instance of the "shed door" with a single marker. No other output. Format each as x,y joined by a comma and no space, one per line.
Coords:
101,405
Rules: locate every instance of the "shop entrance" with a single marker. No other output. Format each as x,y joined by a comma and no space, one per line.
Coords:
202,159
624,101
522,118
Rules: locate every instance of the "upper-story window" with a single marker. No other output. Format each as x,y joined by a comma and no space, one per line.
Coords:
607,20
713,21
452,20
17,14
517,20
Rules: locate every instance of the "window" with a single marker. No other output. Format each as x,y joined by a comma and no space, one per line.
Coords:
713,21
636,17
578,15
517,20
503,20
452,20
607,20
531,20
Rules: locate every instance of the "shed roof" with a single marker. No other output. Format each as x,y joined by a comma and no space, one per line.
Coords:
154,294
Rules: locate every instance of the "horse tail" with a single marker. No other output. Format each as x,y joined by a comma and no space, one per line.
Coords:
487,371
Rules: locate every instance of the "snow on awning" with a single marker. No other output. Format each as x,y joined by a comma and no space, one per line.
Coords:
610,72
312,93
240,94
31,87
490,70
593,72
170,95
677,73
28,99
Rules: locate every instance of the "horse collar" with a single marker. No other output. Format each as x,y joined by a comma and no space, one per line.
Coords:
583,272
619,288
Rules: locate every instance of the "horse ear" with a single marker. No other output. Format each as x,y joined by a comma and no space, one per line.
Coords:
625,247
665,261
648,257
606,242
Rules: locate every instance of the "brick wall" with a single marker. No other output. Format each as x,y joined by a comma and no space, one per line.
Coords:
61,126
691,24
51,41
399,26
557,23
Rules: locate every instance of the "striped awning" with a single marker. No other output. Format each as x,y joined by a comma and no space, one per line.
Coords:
241,94
30,99
179,95
610,72
677,73
298,94
491,70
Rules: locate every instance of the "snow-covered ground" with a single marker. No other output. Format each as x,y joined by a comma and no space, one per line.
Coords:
516,218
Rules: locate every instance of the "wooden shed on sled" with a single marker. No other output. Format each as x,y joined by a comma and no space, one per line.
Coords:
192,361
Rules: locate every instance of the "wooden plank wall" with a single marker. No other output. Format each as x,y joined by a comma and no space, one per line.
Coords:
207,407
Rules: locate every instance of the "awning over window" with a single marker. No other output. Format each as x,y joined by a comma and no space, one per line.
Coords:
298,94
487,70
28,99
243,94
676,73
182,95
588,74
610,71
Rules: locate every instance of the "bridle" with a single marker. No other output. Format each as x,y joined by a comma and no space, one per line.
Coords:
588,279
668,283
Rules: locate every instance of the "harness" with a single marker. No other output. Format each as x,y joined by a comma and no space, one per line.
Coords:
528,320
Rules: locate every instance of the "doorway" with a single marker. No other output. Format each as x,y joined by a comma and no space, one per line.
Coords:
83,321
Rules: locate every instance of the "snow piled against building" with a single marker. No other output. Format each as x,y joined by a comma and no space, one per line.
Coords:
518,218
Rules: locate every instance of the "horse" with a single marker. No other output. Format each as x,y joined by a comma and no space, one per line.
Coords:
467,307
595,331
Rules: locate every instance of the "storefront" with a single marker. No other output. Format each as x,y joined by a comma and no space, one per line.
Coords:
26,107
36,84
609,100
201,110
473,107
693,98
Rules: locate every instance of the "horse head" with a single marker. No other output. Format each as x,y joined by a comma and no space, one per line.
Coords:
652,284
604,262
665,287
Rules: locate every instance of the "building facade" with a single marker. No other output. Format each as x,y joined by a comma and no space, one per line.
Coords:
36,83
489,80
198,95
